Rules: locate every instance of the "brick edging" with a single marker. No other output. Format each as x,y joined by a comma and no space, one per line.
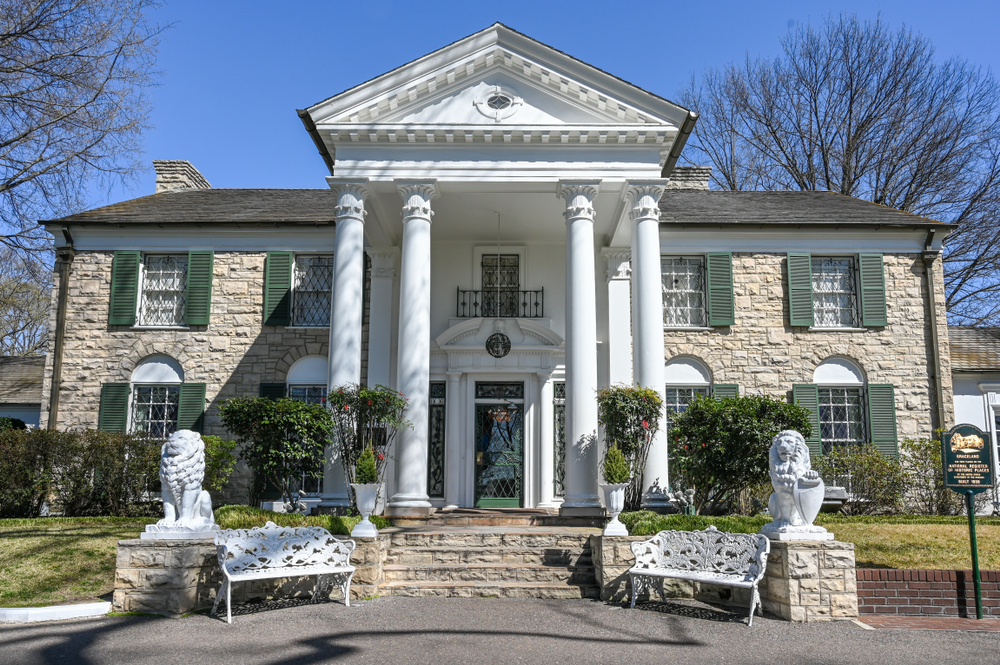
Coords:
926,592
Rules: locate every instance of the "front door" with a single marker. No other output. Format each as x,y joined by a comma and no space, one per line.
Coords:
499,445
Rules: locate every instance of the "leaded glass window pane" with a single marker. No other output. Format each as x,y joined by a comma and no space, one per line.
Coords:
309,394
834,293
154,410
676,399
435,440
501,284
559,432
841,417
164,285
683,280
311,294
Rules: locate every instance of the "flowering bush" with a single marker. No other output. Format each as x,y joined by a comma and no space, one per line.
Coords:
365,419
719,447
630,417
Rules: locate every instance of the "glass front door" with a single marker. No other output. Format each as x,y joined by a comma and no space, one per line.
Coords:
499,449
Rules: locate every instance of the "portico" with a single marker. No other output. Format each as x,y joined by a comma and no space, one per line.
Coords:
490,184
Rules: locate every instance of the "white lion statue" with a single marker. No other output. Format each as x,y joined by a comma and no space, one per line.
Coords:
798,491
186,506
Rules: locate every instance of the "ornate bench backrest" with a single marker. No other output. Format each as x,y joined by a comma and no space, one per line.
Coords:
273,546
710,551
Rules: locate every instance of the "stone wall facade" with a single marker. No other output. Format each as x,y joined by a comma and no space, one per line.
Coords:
890,591
764,355
810,581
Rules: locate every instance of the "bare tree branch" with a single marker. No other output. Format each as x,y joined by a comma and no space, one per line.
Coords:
854,108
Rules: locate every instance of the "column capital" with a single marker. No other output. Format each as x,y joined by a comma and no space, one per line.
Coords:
619,262
579,197
417,195
643,198
383,261
351,194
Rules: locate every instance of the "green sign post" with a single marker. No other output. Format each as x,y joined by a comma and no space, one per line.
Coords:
968,470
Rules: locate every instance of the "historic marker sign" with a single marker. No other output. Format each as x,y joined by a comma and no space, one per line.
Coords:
968,464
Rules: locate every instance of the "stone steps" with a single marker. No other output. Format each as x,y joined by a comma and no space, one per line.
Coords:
508,562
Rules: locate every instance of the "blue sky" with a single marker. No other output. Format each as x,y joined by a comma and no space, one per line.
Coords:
233,73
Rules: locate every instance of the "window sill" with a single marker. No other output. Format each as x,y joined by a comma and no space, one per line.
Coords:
160,327
686,328
820,329
307,327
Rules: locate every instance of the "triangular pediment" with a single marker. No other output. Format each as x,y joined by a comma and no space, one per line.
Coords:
452,85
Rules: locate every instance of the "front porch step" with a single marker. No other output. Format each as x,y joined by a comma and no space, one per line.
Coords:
548,556
490,573
498,519
489,590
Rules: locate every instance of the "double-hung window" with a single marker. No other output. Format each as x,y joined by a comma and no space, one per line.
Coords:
697,290
154,410
164,286
836,291
835,296
297,289
161,290
841,417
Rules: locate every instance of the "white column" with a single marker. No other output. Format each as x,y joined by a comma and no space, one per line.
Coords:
346,313
619,316
380,315
413,363
454,442
546,442
647,342
581,351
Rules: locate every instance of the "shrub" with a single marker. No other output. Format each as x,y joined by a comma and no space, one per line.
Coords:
24,470
719,447
630,417
365,419
366,472
615,466
875,482
279,439
220,461
11,423
926,493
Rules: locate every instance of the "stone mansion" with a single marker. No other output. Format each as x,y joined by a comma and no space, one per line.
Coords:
504,230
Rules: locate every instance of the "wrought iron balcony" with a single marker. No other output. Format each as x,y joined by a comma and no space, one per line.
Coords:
505,303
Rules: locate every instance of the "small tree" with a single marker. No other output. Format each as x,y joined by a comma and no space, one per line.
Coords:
280,440
365,419
631,418
220,461
719,447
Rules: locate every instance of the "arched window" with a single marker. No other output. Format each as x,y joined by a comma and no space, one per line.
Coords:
686,378
156,393
307,378
840,387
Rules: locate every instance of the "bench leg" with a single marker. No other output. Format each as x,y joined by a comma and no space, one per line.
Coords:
318,589
754,604
346,587
229,601
218,595
635,589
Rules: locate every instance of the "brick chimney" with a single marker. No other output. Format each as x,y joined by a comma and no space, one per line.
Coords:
690,177
177,174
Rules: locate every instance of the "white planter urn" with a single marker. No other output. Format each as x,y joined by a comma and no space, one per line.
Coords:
366,496
614,501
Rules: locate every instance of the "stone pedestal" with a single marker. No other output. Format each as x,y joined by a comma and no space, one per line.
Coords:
171,577
810,581
368,558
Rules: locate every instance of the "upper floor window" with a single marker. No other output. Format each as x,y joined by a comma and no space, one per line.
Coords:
501,284
164,286
311,289
683,279
835,295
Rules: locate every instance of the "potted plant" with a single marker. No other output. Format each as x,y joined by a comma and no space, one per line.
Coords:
616,479
366,492
630,416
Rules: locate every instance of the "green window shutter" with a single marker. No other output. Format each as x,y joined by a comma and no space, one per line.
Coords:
272,390
800,290
198,304
882,418
807,395
278,289
113,416
721,390
191,407
721,305
124,288
872,277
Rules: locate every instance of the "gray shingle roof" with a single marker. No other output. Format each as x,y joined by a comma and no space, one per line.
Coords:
21,379
315,206
725,207
974,349
233,206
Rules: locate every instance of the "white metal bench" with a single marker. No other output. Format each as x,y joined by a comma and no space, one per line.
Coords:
710,556
272,551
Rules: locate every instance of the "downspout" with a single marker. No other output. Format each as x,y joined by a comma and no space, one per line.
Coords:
930,256
64,262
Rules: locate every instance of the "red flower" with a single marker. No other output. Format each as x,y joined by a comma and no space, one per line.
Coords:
381,457
369,402
645,424
346,407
